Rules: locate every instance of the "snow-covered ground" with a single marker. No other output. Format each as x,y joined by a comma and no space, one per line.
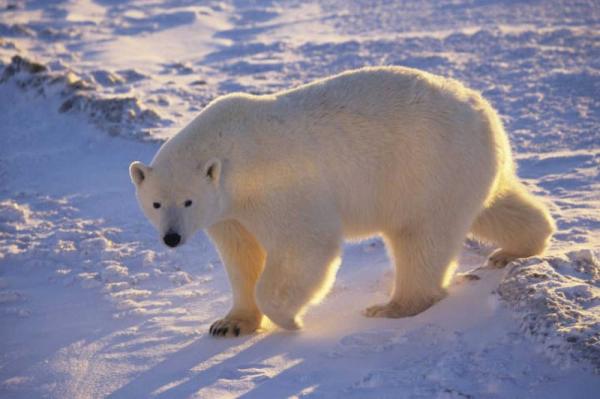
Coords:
92,305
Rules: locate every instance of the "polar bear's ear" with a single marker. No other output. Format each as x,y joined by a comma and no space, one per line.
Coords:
212,170
138,172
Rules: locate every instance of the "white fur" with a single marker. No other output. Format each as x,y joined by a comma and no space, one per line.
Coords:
417,158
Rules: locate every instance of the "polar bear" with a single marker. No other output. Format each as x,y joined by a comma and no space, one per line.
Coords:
278,181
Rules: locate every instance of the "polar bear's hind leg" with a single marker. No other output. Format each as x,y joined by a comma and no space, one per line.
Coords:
425,260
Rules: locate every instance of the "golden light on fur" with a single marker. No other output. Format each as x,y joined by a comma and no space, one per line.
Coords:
418,158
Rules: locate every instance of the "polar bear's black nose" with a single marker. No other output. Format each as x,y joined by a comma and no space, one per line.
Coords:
172,239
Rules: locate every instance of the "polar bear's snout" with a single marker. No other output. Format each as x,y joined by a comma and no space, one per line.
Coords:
172,238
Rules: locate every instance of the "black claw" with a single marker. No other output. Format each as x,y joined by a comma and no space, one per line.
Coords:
214,329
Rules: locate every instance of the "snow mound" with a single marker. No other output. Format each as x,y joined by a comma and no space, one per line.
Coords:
119,116
557,300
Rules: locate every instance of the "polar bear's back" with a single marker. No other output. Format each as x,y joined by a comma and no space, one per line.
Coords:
390,108
391,137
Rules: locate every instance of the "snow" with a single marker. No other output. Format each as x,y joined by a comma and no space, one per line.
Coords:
557,302
92,305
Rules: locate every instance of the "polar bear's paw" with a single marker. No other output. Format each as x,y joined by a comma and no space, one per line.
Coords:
233,327
396,310
271,306
499,259
290,323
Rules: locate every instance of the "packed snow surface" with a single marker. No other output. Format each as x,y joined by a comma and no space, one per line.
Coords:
92,305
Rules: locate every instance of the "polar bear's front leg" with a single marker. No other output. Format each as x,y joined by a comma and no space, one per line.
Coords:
244,259
296,276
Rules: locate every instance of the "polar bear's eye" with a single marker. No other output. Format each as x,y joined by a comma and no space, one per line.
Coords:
156,205
187,203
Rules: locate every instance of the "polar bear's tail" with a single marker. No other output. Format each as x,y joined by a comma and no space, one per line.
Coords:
516,221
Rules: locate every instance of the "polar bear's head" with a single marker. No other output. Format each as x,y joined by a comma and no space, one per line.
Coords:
178,202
